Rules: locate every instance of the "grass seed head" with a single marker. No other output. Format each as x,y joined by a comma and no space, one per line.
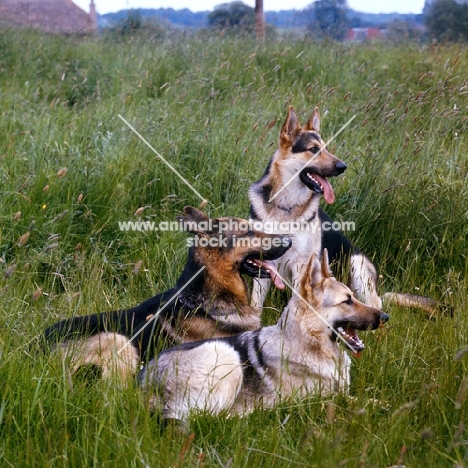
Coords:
36,294
23,239
62,172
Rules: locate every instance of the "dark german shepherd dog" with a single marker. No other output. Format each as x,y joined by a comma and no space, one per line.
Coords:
210,299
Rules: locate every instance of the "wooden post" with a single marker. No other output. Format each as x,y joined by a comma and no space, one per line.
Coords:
93,16
259,21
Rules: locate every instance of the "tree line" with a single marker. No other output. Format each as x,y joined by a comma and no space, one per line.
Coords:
445,20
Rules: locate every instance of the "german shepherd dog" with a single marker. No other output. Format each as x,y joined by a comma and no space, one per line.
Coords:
298,356
287,197
210,299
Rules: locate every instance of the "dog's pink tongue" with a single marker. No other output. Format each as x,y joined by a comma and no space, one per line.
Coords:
274,274
328,193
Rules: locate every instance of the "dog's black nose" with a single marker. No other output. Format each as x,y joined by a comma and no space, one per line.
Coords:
340,167
384,317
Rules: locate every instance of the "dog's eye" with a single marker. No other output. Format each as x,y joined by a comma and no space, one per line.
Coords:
250,233
314,149
349,301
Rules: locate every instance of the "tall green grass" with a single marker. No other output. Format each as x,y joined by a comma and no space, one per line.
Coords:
213,107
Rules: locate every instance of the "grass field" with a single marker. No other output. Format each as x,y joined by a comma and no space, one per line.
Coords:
71,169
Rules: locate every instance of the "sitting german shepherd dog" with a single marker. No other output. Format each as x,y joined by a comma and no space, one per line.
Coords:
298,356
287,198
210,299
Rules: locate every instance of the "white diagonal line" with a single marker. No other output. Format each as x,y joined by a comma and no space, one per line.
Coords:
156,315
204,200
338,334
313,157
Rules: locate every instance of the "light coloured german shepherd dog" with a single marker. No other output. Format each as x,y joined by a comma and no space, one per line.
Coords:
298,356
287,198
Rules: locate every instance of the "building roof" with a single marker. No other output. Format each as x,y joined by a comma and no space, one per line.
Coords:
51,16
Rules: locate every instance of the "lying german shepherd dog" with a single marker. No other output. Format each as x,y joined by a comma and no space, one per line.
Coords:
298,356
210,299
286,199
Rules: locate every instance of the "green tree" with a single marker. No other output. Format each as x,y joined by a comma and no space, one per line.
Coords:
136,24
400,31
447,20
330,19
232,15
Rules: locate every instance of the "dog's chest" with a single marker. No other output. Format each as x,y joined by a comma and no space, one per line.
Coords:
308,241
324,372
304,244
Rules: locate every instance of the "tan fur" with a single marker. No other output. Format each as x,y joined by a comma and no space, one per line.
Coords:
197,328
109,351
411,300
220,268
296,357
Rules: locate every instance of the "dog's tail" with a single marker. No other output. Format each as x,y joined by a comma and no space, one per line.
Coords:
429,305
111,353
83,326
86,344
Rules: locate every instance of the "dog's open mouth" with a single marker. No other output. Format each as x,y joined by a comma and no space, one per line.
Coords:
318,184
350,336
346,330
262,269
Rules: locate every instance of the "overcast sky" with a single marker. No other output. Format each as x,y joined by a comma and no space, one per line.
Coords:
374,6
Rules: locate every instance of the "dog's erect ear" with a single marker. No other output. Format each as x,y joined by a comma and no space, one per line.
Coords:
315,275
325,265
192,214
194,221
307,281
318,269
290,128
313,124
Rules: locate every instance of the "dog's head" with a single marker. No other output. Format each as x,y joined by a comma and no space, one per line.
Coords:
231,245
302,149
332,308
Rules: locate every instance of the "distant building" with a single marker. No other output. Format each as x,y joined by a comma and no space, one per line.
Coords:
364,34
50,16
